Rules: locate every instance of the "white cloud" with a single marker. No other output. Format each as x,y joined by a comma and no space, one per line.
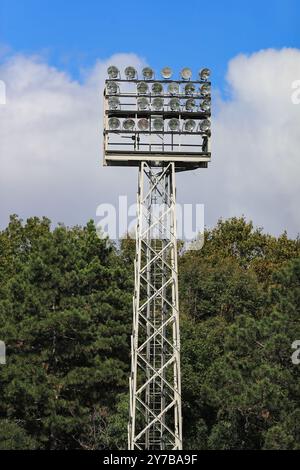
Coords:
50,144
255,169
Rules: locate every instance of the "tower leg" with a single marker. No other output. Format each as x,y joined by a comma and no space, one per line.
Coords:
155,390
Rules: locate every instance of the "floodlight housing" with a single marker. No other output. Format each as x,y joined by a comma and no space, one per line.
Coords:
186,73
205,104
190,104
204,74
158,124
190,125
130,73
128,124
205,89
143,124
174,124
114,123
205,125
156,120
157,88
157,104
112,88
142,88
113,102
174,104
173,88
189,89
148,73
166,73
113,72
142,103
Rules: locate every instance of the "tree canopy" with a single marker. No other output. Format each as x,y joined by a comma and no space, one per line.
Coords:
66,316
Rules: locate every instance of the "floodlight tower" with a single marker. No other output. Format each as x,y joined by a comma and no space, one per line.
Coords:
160,126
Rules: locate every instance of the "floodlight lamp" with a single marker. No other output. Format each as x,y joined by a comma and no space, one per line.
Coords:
174,104
113,72
205,125
204,74
130,73
142,103
114,123
205,89
142,88
148,73
173,88
186,73
158,124
143,124
189,89
190,125
205,105
157,88
174,124
128,124
157,104
113,102
112,88
190,104
166,73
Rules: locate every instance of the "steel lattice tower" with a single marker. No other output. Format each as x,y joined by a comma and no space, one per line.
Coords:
155,395
160,125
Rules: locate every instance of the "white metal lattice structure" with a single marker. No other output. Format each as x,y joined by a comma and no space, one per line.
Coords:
160,125
155,391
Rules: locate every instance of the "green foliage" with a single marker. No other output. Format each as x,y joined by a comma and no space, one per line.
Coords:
240,388
65,316
13,437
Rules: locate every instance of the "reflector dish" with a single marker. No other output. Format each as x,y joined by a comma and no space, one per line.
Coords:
190,125
128,124
189,88
113,102
186,73
190,104
205,105
112,88
204,74
157,104
158,124
166,72
174,124
143,124
174,104
113,72
205,125
147,73
205,89
157,88
142,88
130,73
142,103
173,88
114,123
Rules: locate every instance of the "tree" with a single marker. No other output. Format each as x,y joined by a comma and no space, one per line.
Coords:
65,317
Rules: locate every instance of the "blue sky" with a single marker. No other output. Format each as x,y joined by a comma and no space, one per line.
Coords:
73,34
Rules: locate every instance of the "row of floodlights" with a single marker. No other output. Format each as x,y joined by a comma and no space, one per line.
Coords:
158,89
148,73
157,104
157,124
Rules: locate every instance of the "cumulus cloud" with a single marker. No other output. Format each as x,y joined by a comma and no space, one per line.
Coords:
50,144
255,169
